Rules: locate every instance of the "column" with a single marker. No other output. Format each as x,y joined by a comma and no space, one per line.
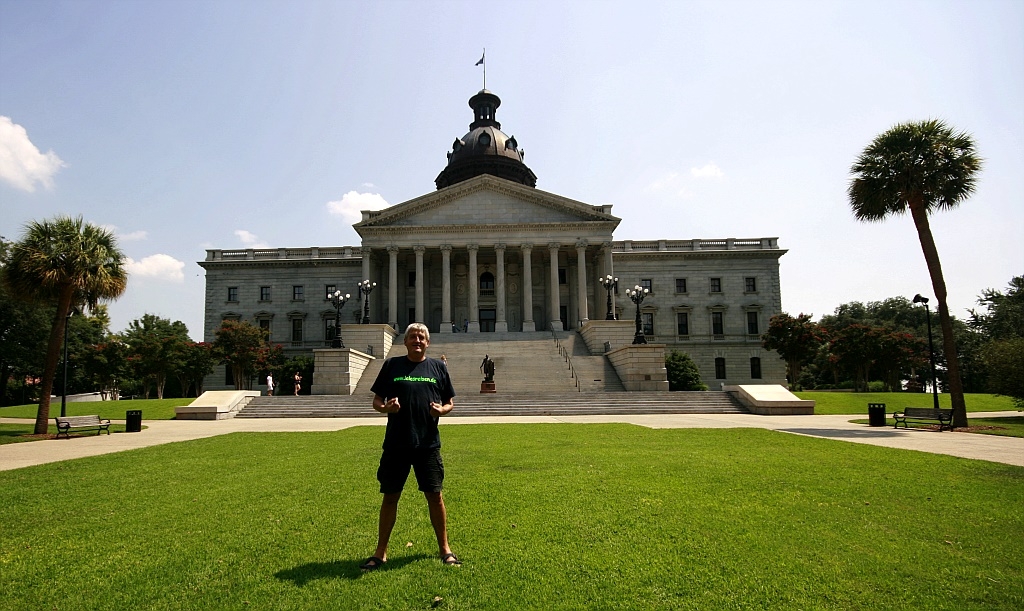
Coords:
556,322
474,290
528,323
500,324
581,280
365,252
446,288
419,282
393,287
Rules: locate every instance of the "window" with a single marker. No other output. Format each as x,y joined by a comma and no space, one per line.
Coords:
680,285
487,283
412,279
717,327
682,323
647,322
229,376
716,285
297,330
328,329
330,289
265,325
750,285
720,368
298,292
645,283
755,367
232,293
264,293
561,276
752,323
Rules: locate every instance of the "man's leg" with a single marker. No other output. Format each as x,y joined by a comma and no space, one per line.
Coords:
388,515
439,520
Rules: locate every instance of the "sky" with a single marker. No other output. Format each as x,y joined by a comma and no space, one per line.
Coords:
184,126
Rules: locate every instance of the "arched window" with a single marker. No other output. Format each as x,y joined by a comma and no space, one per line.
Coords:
487,283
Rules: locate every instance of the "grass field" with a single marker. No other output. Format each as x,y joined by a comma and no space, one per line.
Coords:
152,409
544,517
857,402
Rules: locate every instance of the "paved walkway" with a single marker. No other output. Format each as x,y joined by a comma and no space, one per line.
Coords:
1008,450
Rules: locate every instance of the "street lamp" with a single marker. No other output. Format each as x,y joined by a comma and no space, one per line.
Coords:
364,289
609,283
64,389
931,350
339,302
637,296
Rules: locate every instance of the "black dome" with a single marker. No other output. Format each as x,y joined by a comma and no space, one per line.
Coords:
485,149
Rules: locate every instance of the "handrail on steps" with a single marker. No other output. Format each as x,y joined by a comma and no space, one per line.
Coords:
565,354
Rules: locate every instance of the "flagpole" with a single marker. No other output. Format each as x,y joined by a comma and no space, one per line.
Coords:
485,67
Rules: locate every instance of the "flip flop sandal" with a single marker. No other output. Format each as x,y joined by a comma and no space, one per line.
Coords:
372,563
450,559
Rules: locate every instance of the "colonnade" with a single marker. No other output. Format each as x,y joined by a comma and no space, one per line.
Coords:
500,283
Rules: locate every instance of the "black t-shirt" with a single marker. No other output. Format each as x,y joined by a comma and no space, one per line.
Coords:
415,385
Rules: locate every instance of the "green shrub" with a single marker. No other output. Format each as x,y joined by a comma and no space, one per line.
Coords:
682,372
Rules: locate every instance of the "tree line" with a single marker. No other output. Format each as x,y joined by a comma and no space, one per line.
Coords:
883,346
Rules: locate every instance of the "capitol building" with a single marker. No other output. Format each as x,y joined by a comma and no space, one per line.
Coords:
488,252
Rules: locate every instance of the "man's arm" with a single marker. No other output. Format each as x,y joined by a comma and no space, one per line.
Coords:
438,409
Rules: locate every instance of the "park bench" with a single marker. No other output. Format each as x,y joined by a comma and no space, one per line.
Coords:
924,414
66,424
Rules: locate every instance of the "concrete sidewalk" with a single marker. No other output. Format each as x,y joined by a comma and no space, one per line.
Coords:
1007,450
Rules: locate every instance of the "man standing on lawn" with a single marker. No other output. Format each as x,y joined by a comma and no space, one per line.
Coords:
414,391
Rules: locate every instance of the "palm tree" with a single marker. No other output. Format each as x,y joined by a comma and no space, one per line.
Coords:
70,263
919,167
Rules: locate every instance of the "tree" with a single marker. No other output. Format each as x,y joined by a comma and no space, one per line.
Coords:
919,167
795,339
23,333
67,263
1005,360
238,346
108,367
158,345
1004,318
198,360
682,372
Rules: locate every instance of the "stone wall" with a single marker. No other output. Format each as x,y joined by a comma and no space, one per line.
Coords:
640,367
617,333
336,371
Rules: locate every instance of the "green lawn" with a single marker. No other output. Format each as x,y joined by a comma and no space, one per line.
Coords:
606,516
857,402
152,409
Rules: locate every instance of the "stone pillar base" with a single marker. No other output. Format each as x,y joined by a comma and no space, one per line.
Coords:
501,327
488,388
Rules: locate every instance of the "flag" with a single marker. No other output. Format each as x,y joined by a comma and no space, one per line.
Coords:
481,59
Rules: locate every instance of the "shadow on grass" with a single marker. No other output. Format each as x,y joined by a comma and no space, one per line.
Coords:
872,433
340,569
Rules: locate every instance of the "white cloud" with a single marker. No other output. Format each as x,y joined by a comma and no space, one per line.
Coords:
369,185
249,239
350,205
134,236
708,171
159,266
21,164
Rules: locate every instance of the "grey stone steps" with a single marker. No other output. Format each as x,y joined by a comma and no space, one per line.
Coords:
357,406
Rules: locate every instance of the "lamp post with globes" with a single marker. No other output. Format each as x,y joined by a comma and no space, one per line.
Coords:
364,289
608,282
637,296
339,302
931,350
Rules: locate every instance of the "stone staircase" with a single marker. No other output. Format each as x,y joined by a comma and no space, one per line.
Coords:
533,378
525,404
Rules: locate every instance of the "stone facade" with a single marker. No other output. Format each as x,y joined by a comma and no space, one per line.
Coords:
490,254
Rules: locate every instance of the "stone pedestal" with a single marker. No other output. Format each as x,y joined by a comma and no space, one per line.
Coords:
336,371
488,388
640,367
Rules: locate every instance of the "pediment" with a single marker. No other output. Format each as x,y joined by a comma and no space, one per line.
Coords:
485,200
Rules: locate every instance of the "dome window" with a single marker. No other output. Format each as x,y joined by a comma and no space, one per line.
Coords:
511,143
457,145
484,140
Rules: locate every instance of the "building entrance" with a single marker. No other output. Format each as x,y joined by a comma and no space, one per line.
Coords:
487,319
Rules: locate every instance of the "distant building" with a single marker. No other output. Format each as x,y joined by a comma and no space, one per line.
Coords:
489,252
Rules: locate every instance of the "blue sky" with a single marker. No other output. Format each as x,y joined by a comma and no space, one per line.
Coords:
193,125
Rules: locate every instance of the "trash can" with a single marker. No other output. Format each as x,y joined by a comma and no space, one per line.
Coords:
876,414
133,421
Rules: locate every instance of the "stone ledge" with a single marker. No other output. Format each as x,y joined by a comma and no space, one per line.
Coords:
770,400
216,405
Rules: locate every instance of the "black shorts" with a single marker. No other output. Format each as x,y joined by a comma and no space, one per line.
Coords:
394,470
